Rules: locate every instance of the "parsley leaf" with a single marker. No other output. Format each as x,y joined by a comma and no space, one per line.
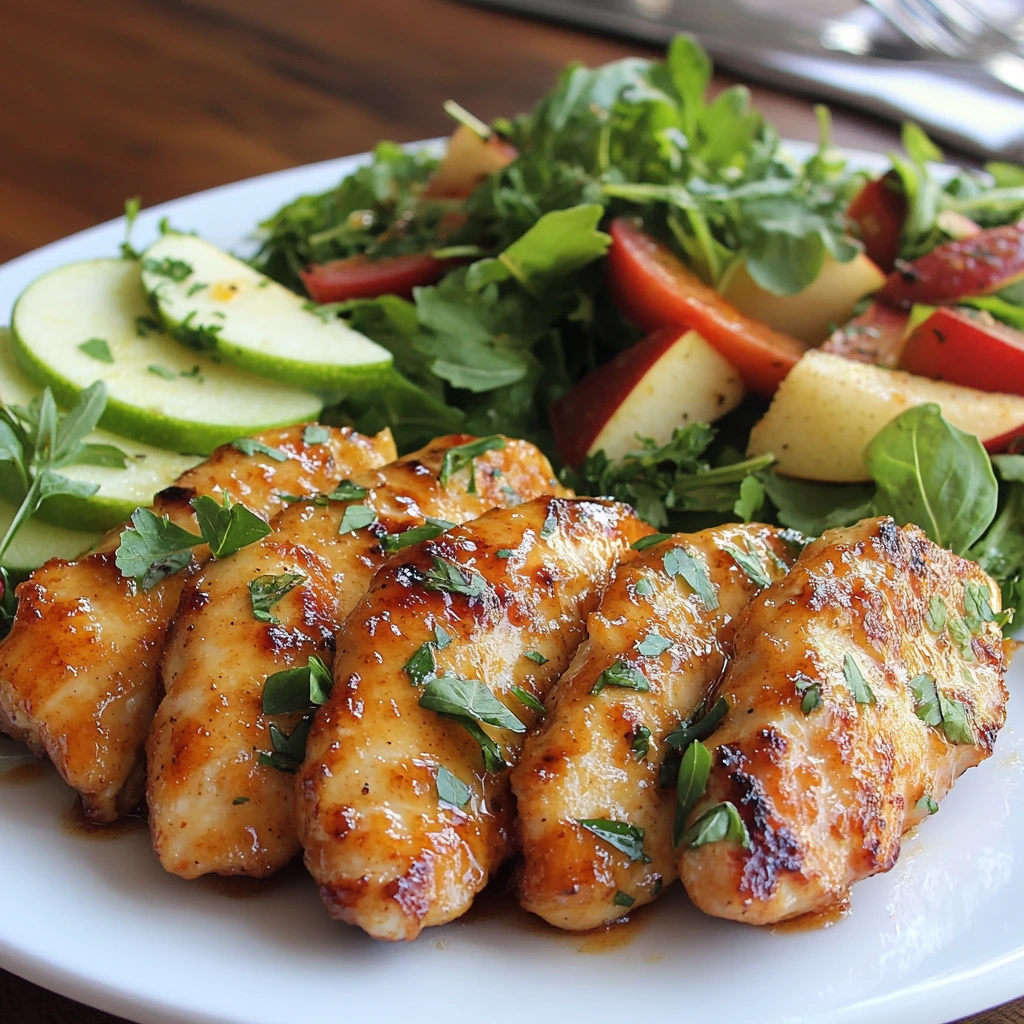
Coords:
249,446
451,789
98,349
316,434
750,563
810,691
452,695
623,675
862,693
623,899
356,517
227,527
934,708
463,455
432,528
289,748
626,838
652,645
718,823
347,491
454,579
649,541
927,803
935,617
694,769
266,591
679,562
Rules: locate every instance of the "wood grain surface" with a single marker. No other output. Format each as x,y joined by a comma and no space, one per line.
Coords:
159,98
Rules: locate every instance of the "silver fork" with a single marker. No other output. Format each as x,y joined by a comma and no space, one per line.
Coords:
985,32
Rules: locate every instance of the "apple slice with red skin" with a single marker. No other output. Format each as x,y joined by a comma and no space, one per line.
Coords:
977,265
468,161
879,210
671,378
967,349
653,287
875,336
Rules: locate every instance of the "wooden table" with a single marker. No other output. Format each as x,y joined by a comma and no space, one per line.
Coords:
160,98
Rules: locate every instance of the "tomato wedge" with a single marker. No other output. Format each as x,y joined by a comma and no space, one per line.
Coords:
977,352
360,278
879,210
654,289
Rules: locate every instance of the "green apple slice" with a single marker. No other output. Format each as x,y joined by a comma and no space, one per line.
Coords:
148,469
37,542
216,303
159,392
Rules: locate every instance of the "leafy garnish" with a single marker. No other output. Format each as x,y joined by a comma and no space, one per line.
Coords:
652,645
316,434
266,591
250,446
463,455
626,838
718,823
640,742
809,691
750,562
862,692
174,270
679,562
451,789
347,491
528,700
623,899
694,769
297,689
98,349
454,579
356,517
432,528
621,674
934,708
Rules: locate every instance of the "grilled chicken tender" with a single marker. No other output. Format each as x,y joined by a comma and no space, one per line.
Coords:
863,685
402,812
79,671
212,806
596,756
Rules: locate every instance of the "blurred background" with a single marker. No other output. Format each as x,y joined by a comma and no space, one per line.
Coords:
160,98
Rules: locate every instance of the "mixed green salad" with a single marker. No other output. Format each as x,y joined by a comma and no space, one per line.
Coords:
480,290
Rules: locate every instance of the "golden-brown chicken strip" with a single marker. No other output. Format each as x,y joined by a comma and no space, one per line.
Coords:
79,671
404,801
863,685
213,807
665,626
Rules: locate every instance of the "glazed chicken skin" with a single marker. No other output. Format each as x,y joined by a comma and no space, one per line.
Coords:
596,756
828,751
402,816
212,806
79,670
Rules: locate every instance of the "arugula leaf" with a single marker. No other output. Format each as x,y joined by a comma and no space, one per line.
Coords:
266,591
250,446
935,475
626,838
621,674
463,455
721,822
451,789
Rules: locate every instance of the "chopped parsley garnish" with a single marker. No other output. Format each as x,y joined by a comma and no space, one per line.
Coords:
98,349
450,578
721,822
536,656
153,547
240,800
862,693
977,608
697,726
301,688
432,528
316,434
750,562
810,691
451,789
347,491
640,741
422,666
289,748
266,591
623,675
694,769
934,708
927,803
626,838
175,270
678,562
504,553
648,542
549,525
356,517
469,702
463,455
162,371
623,899
526,698
935,617
960,631
644,587
652,645
146,325
250,446
193,288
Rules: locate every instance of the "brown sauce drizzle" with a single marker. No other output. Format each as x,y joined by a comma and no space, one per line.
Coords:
75,823
23,771
816,921
242,887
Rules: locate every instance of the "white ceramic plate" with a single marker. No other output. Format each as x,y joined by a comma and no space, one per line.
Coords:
938,937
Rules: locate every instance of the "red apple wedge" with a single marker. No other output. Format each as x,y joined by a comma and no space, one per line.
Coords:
966,348
671,378
829,408
977,265
879,210
876,336
468,161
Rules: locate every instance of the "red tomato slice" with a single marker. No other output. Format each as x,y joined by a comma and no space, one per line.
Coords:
654,289
964,349
360,278
879,210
